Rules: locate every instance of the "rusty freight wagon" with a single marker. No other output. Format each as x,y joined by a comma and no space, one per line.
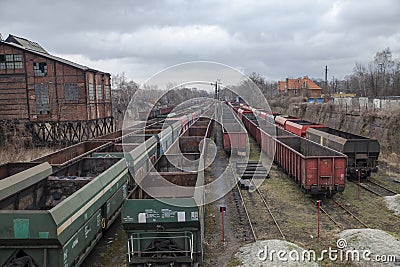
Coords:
362,152
55,99
234,134
300,127
317,169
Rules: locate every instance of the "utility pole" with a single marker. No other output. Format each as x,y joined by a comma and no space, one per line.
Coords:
216,93
380,75
326,79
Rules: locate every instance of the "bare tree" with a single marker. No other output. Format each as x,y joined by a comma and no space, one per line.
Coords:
269,89
380,77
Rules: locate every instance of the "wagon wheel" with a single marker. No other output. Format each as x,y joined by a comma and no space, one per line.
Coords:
329,194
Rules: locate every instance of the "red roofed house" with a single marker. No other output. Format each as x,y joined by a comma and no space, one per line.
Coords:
300,87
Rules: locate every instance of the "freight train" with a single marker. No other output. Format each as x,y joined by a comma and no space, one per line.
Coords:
164,220
53,210
315,168
234,135
362,152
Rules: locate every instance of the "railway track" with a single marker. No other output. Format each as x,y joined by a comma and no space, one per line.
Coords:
377,189
350,213
342,218
260,226
243,212
270,213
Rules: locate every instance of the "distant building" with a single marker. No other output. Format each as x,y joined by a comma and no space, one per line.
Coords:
300,87
57,99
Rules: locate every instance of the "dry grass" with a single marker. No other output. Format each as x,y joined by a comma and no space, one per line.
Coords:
297,215
17,153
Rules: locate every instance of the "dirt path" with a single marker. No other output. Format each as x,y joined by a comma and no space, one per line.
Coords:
218,253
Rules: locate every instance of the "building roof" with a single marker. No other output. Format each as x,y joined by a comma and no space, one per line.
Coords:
299,83
30,45
281,85
35,48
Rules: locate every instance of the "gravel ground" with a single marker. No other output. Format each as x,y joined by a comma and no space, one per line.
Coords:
295,214
254,254
376,241
110,251
219,253
393,203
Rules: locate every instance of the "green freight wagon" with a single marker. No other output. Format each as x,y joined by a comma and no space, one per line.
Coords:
164,221
56,218
165,231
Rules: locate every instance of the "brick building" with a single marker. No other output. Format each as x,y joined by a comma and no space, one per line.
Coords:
58,100
300,87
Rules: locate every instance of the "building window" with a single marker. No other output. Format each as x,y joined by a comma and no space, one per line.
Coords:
107,91
91,91
99,92
17,57
18,65
42,98
2,62
40,69
71,91
10,61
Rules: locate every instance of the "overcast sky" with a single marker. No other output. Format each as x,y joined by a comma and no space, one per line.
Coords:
276,38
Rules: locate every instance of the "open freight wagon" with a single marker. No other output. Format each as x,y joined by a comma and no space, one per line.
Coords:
164,219
54,217
362,152
234,135
317,169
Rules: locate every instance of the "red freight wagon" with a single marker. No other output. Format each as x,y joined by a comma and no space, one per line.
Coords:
268,133
233,133
260,113
242,111
166,110
317,169
235,106
234,139
267,142
251,123
282,119
300,127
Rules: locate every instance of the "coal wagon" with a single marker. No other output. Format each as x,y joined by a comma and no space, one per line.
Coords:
55,218
164,220
362,152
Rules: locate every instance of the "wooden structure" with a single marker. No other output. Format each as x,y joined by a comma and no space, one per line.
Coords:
58,100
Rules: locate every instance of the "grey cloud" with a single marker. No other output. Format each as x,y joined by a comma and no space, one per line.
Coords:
275,38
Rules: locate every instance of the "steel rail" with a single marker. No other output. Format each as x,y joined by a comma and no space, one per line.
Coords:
383,187
328,215
270,212
351,214
244,205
